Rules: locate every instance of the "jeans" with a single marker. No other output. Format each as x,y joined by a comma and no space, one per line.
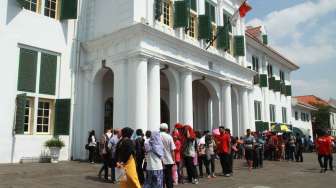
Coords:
331,162
299,156
211,162
168,175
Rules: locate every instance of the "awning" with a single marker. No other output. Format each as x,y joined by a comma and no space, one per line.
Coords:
280,128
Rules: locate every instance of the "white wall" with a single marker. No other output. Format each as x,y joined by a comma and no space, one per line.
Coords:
29,29
305,126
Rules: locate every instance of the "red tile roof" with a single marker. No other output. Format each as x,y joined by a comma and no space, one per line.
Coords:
312,100
255,32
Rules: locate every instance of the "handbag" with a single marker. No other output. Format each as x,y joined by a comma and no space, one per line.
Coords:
87,146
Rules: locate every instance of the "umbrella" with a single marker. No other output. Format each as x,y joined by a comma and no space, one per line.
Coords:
284,128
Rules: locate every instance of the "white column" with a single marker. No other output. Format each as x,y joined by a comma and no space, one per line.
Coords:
245,115
120,95
251,110
187,98
154,96
227,106
137,93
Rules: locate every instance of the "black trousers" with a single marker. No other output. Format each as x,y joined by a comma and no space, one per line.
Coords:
140,171
92,153
191,168
210,162
108,163
291,153
201,162
331,162
226,163
323,161
168,175
299,156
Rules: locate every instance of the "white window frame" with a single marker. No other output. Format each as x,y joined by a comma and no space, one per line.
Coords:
50,116
257,111
30,101
44,8
36,96
284,114
272,113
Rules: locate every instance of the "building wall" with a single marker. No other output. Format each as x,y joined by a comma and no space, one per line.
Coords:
305,126
26,28
265,95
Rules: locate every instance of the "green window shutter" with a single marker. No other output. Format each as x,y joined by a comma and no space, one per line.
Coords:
180,14
157,9
263,80
282,88
20,112
27,70
212,13
68,9
265,39
239,45
223,38
277,85
48,74
288,90
265,126
261,126
62,116
23,3
193,5
204,27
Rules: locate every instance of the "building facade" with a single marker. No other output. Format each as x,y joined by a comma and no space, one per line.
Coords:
302,117
137,63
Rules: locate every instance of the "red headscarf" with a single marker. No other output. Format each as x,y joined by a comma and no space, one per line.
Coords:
178,126
190,131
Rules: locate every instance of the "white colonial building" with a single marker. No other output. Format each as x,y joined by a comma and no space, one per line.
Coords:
302,117
75,66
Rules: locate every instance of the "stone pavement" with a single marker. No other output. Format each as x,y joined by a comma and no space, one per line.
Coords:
83,175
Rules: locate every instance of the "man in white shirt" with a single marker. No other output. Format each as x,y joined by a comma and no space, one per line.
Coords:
168,158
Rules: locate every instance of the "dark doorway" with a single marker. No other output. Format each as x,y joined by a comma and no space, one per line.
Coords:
108,115
164,113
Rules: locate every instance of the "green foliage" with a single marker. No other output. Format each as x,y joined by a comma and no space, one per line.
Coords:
322,117
54,142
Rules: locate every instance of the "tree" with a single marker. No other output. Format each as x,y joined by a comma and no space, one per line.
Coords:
322,117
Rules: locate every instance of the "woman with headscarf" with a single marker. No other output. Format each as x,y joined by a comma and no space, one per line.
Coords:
154,168
125,153
189,153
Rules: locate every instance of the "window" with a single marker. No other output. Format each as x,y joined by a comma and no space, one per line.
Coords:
303,116
31,5
192,27
227,20
257,110
193,5
269,71
50,8
272,112
296,115
213,31
43,116
308,118
255,63
210,11
282,76
166,12
28,114
284,115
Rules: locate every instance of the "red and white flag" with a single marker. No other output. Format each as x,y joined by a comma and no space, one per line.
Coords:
242,10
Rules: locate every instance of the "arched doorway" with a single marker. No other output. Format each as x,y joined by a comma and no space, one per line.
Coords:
164,95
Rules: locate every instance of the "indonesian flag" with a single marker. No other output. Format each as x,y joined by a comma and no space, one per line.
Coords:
244,8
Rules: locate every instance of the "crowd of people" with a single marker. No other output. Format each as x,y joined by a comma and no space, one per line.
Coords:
156,159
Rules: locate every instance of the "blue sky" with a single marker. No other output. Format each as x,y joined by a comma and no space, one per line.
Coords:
305,32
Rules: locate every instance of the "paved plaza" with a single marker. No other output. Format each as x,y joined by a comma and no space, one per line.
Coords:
84,175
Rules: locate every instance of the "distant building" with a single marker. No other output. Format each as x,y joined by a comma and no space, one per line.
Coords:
317,102
302,117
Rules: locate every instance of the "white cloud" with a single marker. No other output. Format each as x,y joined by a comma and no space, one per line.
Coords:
301,32
322,88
